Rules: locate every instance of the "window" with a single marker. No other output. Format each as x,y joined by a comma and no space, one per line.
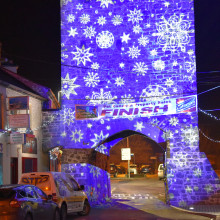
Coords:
21,194
40,193
73,183
30,192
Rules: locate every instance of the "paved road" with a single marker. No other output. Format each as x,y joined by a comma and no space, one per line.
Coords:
137,199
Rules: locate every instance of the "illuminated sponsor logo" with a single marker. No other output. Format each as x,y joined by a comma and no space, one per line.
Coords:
86,112
186,104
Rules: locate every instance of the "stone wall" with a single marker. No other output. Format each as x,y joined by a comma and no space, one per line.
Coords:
120,52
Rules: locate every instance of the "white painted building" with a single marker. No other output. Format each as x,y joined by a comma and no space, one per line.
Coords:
18,158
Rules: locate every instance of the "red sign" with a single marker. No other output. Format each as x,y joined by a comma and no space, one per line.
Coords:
19,121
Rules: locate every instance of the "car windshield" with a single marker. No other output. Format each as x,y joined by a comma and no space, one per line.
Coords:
6,193
161,167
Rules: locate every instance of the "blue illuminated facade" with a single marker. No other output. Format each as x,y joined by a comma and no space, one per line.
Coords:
132,51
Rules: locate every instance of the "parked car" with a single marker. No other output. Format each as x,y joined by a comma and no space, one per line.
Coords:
113,170
161,171
121,169
133,168
64,189
26,202
145,169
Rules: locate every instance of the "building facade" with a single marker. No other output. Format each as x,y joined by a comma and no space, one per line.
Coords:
21,126
130,66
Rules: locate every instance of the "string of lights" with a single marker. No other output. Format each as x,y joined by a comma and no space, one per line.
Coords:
216,141
75,66
210,115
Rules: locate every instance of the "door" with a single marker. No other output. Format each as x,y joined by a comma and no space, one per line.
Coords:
14,170
29,164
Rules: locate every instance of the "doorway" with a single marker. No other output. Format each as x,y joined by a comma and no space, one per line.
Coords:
14,170
29,164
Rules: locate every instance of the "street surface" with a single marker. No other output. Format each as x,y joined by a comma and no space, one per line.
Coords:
137,199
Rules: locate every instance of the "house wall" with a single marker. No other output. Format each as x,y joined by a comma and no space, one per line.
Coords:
10,150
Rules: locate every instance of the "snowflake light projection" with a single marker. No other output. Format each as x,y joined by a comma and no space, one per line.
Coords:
135,16
95,171
189,189
154,92
197,172
117,20
173,33
174,121
105,3
76,136
92,79
137,29
208,188
120,52
143,40
127,99
101,20
89,32
68,86
190,135
68,116
95,66
101,98
105,39
159,65
72,32
119,81
85,18
125,38
141,68
134,52
98,138
169,82
82,55
139,126
71,18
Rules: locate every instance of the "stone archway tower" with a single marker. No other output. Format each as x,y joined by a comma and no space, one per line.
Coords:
116,52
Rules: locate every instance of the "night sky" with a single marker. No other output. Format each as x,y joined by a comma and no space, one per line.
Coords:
30,33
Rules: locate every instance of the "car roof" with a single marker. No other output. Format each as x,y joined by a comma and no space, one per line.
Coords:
13,186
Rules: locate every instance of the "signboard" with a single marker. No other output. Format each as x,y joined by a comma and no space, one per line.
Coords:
17,138
86,112
125,153
30,146
19,121
141,109
18,103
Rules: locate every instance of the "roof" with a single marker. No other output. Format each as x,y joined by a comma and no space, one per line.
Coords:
11,79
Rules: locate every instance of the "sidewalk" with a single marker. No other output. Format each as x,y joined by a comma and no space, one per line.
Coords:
211,211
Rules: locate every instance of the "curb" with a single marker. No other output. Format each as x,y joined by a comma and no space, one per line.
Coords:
211,215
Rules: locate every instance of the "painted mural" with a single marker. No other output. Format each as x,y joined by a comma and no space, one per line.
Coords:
120,53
